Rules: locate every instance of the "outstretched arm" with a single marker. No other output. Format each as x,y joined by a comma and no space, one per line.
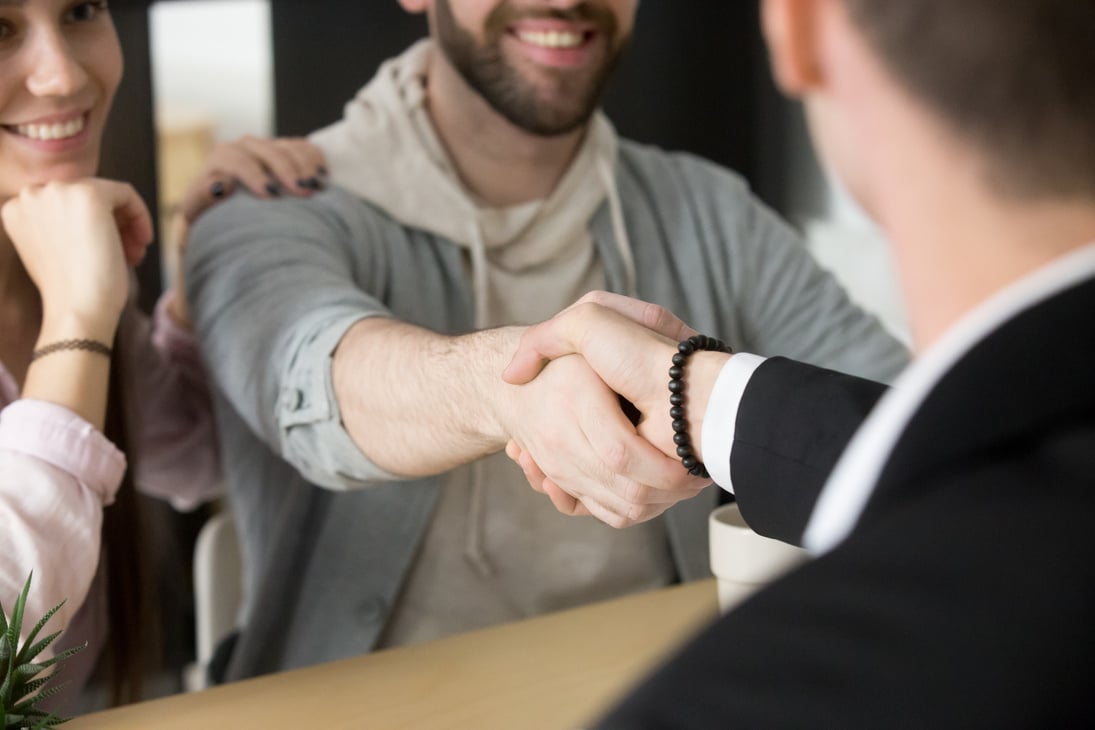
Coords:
290,300
420,403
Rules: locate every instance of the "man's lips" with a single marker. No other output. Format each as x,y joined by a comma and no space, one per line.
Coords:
553,38
555,43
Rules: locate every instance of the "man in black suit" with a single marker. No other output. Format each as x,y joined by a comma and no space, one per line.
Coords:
952,518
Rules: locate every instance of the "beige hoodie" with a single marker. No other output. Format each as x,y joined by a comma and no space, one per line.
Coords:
528,260
495,550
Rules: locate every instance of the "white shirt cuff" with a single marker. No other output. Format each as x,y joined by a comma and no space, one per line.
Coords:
721,415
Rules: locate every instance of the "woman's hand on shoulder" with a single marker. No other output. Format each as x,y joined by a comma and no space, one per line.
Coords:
267,168
75,240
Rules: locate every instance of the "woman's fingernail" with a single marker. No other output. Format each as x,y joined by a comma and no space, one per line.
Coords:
217,189
322,171
273,188
309,183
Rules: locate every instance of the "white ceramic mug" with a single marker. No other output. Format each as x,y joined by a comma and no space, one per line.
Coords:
742,560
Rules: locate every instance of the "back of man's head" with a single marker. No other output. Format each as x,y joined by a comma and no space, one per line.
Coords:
1014,77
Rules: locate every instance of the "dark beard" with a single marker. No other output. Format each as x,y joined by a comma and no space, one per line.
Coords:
485,69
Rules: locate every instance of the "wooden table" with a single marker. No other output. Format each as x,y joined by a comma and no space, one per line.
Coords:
556,672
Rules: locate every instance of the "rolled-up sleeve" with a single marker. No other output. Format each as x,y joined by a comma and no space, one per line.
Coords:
313,437
56,474
273,288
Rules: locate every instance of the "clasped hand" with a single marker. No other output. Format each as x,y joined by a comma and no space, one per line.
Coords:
629,345
75,240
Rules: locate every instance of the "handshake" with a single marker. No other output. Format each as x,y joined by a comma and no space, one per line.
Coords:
597,358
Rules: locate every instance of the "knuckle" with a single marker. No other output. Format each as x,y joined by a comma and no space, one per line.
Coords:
655,316
596,296
632,491
616,458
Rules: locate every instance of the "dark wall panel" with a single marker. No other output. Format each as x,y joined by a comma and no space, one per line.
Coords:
129,145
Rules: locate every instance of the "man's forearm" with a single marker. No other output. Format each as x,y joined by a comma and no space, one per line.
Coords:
418,403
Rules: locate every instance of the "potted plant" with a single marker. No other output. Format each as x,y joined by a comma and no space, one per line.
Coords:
22,684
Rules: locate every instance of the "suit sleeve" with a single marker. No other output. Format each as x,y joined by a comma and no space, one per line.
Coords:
793,423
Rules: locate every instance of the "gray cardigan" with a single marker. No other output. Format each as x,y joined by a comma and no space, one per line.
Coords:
274,286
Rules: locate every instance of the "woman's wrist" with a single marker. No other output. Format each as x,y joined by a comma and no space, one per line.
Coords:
73,325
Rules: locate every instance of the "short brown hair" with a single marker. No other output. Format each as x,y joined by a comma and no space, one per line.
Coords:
1015,77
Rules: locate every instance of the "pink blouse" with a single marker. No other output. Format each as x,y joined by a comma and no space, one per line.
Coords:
57,473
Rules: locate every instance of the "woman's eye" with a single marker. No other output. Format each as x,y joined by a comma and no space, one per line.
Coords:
83,12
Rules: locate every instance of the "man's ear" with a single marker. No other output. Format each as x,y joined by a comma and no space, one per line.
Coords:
791,29
415,6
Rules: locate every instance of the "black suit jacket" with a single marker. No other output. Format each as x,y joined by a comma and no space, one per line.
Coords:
965,595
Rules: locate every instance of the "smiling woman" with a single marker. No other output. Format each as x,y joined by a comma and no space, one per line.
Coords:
62,64
77,358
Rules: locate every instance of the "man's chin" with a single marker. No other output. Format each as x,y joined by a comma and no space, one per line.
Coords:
551,124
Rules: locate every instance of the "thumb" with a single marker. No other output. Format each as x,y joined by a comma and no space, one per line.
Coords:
538,345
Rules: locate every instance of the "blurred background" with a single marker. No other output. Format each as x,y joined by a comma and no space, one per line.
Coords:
696,78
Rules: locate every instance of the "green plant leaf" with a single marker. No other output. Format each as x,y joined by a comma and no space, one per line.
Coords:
15,625
5,690
28,706
28,652
29,688
50,721
57,658
19,672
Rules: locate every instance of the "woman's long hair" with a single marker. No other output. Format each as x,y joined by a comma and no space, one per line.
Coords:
132,625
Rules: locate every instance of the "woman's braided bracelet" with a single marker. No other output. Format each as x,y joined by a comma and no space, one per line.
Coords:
77,344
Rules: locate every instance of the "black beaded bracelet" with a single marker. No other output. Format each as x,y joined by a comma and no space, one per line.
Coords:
676,399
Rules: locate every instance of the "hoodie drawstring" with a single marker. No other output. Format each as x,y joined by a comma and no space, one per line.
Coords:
479,276
473,541
619,229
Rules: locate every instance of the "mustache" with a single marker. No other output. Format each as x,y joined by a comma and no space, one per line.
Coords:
594,14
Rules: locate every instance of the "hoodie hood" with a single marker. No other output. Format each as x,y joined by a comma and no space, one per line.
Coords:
527,261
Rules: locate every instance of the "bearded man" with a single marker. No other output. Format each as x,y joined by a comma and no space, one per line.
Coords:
358,337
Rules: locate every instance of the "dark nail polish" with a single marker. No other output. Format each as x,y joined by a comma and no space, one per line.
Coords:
273,188
322,171
217,189
309,183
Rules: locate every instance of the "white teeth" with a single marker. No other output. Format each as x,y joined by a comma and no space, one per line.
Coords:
61,130
551,38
